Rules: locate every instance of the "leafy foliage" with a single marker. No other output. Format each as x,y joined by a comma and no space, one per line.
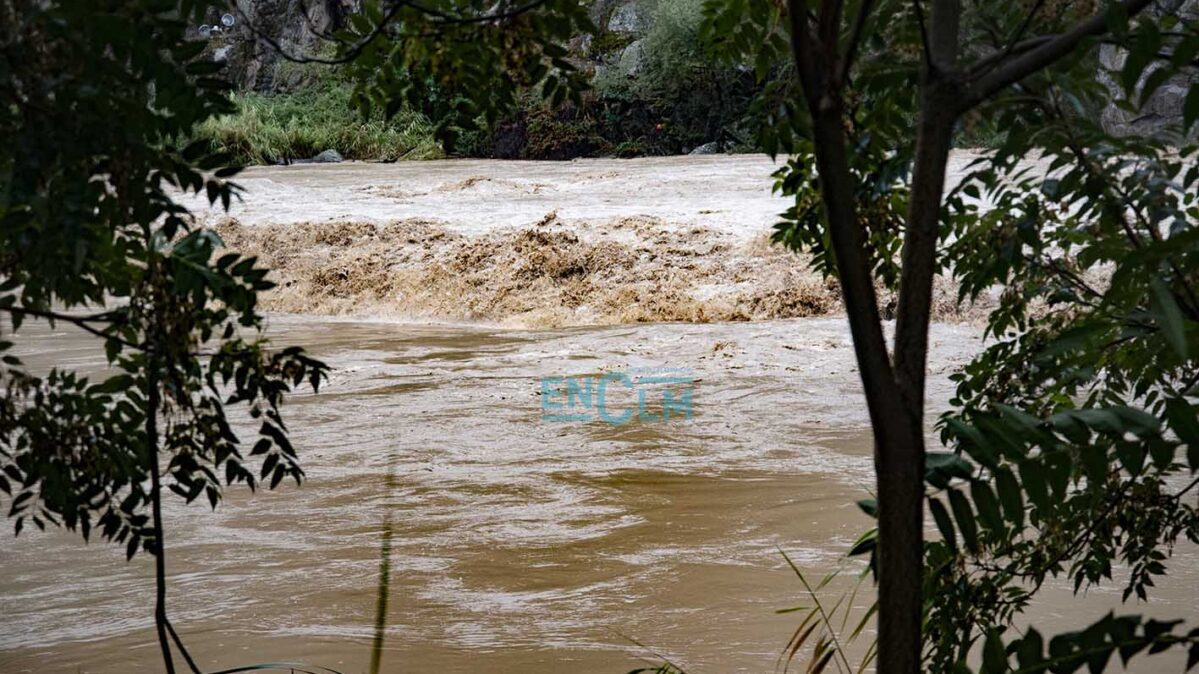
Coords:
1080,415
97,99
88,219
1092,647
879,134
440,58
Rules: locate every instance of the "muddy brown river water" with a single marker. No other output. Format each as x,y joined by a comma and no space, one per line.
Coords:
447,526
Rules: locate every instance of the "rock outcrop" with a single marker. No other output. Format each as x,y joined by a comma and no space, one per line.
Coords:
262,29
1159,116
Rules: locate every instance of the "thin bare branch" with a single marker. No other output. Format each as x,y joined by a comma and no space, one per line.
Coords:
349,55
182,649
82,322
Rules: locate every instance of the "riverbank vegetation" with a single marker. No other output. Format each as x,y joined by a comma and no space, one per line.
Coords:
320,116
661,93
665,97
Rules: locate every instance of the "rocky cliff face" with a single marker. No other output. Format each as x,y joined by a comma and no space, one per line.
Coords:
296,26
1163,110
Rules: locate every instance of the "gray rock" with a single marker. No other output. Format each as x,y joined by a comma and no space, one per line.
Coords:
707,148
632,59
327,157
628,17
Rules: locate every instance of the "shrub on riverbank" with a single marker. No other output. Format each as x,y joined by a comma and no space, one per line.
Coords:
670,71
300,124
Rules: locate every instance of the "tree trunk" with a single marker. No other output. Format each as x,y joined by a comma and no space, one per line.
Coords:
894,386
895,402
897,428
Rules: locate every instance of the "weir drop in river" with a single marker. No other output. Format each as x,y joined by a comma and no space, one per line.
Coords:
446,525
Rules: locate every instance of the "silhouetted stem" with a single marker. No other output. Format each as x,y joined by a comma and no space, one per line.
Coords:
160,583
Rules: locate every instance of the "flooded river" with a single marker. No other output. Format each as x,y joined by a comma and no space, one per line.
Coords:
447,525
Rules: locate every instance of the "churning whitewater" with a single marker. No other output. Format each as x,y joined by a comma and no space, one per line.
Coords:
589,242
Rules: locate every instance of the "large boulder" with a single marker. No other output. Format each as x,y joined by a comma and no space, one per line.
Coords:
328,157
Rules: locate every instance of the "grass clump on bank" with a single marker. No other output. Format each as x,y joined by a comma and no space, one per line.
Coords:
303,123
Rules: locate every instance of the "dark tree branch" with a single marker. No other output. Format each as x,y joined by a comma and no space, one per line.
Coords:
182,649
81,322
459,19
445,19
1024,25
1017,68
898,443
839,203
926,48
1071,278
852,43
160,570
1015,39
989,61
943,42
350,54
1183,492
830,21
933,139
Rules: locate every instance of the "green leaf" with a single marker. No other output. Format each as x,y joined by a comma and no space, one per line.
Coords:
1183,421
1010,496
1190,108
964,516
941,467
994,656
944,524
1168,316
987,505
1131,456
113,384
1032,474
